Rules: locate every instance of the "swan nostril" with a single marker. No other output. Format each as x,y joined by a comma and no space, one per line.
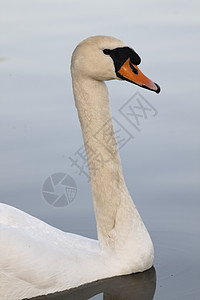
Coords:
135,71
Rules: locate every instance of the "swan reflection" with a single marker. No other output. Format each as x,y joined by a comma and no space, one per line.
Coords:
139,286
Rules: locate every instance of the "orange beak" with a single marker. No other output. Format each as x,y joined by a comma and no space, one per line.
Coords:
132,73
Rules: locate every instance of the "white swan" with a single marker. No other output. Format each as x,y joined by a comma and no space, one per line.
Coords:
37,259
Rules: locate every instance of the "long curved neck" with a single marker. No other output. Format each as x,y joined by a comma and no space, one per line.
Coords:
107,182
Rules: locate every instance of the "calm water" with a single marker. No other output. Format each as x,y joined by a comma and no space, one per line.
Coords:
40,128
136,286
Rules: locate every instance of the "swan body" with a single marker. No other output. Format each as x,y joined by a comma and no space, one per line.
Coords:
38,259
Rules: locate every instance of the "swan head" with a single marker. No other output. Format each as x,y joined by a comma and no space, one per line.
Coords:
106,58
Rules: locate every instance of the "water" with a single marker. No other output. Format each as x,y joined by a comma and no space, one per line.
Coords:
136,286
40,128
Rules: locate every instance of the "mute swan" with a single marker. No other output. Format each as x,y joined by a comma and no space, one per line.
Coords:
37,259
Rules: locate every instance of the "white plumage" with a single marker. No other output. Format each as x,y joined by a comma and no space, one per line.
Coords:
36,258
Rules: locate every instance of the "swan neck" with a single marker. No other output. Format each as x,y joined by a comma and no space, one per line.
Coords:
107,182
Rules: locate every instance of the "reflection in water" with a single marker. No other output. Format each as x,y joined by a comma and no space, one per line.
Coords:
140,286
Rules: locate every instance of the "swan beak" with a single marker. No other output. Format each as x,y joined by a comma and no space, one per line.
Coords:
132,73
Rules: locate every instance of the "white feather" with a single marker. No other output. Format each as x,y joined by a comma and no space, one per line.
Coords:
36,258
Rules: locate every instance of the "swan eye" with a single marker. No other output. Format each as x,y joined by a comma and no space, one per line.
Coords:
107,51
